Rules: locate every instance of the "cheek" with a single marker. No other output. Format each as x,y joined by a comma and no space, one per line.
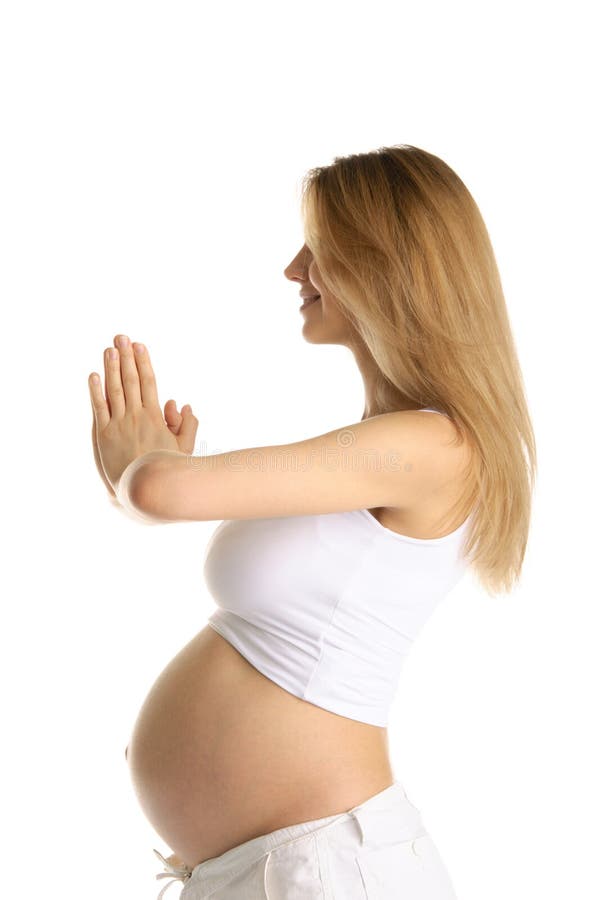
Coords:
333,313
329,305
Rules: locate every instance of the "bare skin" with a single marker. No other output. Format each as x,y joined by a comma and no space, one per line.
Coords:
220,754
172,417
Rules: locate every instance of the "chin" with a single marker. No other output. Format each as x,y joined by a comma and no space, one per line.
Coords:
321,331
312,336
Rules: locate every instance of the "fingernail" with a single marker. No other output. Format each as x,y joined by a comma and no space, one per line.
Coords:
139,348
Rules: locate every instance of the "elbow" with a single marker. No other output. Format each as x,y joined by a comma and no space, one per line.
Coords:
138,491
146,494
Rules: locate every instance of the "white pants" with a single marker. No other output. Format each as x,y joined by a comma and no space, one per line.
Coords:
378,850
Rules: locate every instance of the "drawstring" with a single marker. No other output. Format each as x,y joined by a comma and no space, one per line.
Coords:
182,873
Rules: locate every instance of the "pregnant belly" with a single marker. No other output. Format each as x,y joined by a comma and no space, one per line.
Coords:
220,754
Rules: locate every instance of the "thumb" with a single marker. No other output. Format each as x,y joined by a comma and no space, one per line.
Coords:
188,430
172,416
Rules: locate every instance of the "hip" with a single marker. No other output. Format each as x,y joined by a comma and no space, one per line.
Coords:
377,850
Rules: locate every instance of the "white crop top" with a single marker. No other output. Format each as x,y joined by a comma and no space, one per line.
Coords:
328,606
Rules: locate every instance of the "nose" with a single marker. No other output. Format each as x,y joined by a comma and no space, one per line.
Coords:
297,268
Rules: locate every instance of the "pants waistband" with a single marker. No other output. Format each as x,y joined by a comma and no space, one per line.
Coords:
384,818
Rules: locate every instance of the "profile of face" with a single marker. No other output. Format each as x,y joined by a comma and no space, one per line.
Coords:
323,320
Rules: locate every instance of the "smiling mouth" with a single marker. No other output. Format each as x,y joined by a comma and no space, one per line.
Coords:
308,302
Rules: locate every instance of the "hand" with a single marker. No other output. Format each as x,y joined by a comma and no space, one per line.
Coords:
129,422
98,461
174,420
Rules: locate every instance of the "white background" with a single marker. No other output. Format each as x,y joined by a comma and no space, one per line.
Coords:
151,161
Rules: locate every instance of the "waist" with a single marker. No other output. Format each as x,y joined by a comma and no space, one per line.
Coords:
327,665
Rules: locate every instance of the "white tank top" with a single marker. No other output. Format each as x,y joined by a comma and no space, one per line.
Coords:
328,606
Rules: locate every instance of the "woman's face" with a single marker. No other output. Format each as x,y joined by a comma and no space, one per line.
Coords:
323,320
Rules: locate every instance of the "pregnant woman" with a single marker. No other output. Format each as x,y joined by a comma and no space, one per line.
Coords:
260,755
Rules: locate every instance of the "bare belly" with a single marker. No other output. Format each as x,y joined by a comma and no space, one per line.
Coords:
220,754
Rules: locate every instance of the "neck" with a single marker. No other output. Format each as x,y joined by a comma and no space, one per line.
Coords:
372,379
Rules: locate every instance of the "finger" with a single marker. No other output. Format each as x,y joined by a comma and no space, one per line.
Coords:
128,372
99,405
147,379
114,385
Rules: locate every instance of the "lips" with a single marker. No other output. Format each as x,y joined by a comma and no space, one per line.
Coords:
308,301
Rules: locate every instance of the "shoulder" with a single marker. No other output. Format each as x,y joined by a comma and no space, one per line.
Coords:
393,459
443,450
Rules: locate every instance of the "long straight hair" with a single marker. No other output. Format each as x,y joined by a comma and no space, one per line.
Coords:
402,246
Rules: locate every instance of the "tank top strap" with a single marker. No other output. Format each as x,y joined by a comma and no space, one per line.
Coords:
429,409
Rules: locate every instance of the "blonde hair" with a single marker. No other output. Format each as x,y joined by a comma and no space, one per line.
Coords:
402,246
